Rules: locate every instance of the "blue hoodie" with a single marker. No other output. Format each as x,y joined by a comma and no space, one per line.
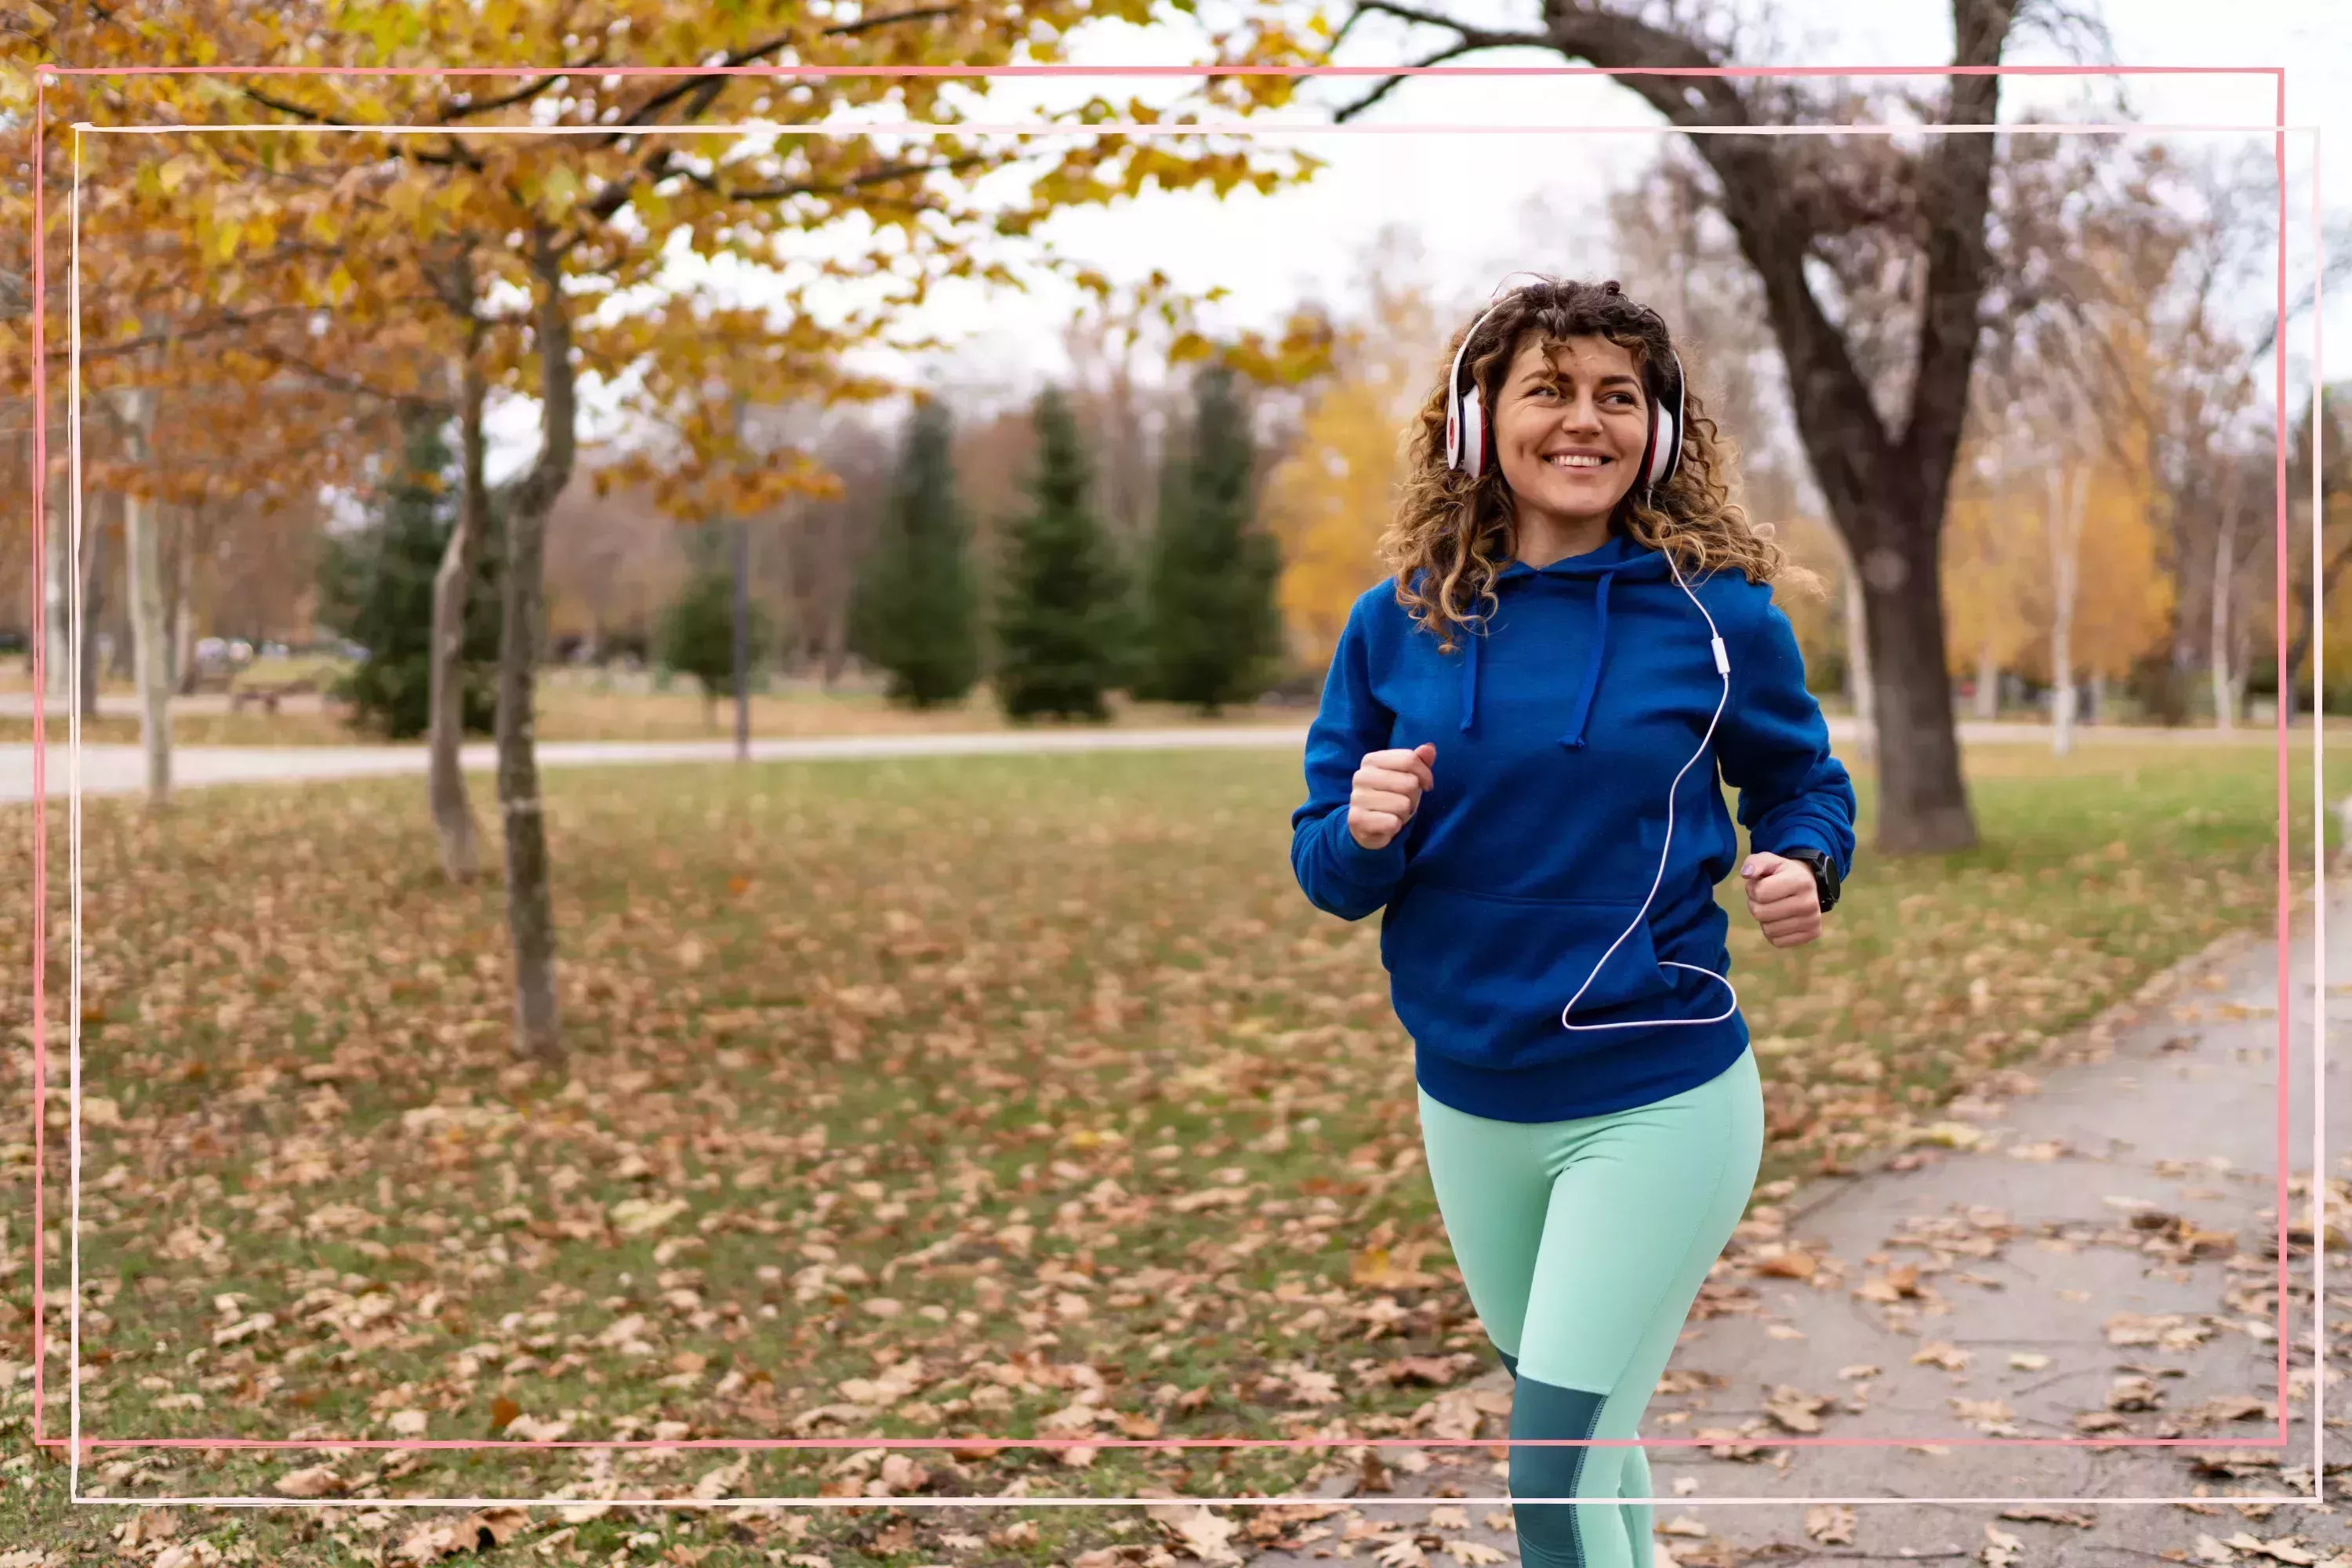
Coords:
1559,726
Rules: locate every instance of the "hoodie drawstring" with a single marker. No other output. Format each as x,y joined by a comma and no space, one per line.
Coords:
1574,738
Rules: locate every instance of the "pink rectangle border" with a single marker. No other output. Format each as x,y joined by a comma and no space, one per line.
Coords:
44,73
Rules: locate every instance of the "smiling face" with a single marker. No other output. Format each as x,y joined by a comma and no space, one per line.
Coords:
1569,435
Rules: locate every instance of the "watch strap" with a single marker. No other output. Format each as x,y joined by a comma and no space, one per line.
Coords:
1825,876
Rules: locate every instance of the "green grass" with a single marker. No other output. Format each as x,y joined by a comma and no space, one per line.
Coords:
987,1038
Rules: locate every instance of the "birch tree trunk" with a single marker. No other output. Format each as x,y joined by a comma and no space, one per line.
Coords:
58,593
92,588
183,601
150,634
453,812
2065,525
2225,566
1988,705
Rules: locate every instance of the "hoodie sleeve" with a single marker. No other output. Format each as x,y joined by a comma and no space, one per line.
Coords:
1340,876
1775,751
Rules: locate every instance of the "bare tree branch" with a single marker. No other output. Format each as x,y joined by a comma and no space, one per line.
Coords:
1467,40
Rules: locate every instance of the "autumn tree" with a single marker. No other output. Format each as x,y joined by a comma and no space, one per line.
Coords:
611,210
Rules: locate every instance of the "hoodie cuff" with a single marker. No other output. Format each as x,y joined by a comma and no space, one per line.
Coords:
1373,869
1797,837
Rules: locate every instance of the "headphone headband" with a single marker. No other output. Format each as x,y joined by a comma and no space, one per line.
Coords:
1465,418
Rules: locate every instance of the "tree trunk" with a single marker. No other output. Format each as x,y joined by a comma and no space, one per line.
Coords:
2225,545
530,916
1988,684
150,643
150,639
93,600
57,592
2067,501
180,577
1859,692
1922,804
453,812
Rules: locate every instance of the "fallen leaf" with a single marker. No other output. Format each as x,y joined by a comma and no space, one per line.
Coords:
1832,1524
311,1480
2002,1550
2028,1360
1795,1410
2044,1513
1951,1357
1200,1533
1789,1265
1686,1526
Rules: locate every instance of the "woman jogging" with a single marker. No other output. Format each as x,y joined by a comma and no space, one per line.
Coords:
1516,760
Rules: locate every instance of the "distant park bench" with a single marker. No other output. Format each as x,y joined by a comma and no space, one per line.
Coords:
268,695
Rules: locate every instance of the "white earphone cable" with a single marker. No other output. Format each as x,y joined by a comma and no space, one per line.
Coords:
1723,667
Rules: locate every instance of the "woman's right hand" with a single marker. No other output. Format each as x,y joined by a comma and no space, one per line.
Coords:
1387,788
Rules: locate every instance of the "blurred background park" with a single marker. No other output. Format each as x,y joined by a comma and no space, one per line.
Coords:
1017,1095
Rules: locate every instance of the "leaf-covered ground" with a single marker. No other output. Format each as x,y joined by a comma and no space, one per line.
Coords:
956,1099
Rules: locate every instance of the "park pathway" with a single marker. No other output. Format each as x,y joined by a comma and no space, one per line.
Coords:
2095,1257
117,769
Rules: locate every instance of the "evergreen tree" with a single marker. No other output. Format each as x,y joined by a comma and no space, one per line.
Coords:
1058,609
1214,624
375,588
697,634
916,612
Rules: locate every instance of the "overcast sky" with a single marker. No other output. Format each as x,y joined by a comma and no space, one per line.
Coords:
1475,198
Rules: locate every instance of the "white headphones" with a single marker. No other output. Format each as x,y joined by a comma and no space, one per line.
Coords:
1465,414
1465,449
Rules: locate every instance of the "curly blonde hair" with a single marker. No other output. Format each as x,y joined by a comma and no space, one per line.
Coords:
1451,533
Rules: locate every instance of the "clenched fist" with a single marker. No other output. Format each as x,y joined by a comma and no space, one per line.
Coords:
1782,896
1388,787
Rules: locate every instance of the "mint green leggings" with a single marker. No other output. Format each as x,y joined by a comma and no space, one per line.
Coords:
1583,1244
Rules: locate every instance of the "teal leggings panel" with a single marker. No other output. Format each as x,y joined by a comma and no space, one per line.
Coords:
1582,1244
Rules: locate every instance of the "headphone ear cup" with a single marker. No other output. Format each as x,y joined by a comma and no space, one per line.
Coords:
1665,450
1474,435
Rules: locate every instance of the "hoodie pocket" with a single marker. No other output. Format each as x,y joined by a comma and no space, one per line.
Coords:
1478,977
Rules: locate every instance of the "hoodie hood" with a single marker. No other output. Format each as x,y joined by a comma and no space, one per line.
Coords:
1620,557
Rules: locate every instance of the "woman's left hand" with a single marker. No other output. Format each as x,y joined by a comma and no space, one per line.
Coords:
1783,899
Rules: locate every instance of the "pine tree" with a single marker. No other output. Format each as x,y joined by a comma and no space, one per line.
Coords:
1214,626
916,613
1059,608
696,635
375,588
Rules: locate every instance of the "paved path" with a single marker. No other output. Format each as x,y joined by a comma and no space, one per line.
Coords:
2098,1264
118,769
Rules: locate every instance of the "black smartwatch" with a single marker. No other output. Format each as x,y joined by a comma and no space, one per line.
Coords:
1825,876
